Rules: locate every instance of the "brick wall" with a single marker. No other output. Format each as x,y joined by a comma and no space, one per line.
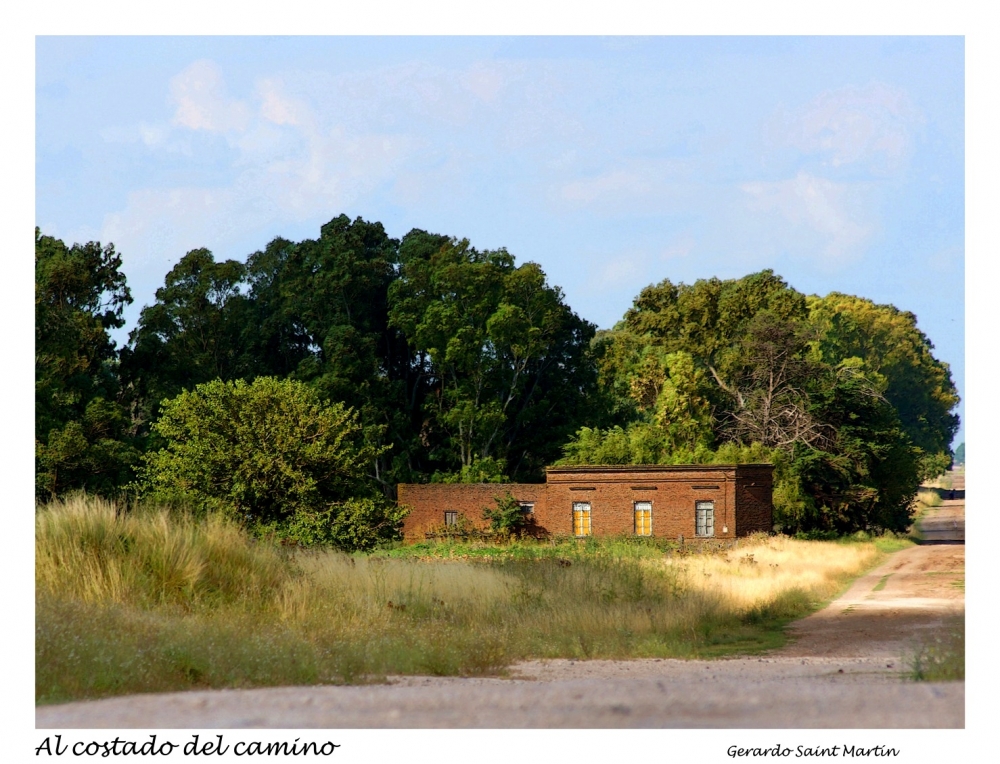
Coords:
754,499
741,495
428,502
613,491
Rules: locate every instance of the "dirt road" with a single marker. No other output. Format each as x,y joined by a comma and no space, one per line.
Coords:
845,668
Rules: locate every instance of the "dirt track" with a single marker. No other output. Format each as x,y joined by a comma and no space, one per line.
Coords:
843,669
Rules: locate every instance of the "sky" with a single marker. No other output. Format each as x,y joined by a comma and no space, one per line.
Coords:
614,163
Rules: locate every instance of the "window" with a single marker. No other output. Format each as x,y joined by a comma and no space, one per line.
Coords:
704,518
581,518
451,518
643,518
527,507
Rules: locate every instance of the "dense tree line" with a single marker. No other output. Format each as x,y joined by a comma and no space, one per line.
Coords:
442,362
841,394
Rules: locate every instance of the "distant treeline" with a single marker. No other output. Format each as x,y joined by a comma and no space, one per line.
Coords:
461,365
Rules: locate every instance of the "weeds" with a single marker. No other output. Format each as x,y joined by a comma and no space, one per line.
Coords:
943,658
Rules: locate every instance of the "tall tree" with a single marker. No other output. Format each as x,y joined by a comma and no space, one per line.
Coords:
887,339
505,359
190,335
81,431
743,333
322,316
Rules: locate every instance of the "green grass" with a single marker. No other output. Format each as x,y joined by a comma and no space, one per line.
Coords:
146,601
943,658
881,584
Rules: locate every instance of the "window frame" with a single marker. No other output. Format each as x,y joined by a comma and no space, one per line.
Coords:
647,508
699,506
452,516
578,507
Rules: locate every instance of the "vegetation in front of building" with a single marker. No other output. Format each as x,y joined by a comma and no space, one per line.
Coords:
152,599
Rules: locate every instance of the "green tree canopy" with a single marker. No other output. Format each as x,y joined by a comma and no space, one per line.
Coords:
887,339
842,395
192,334
321,316
82,433
504,360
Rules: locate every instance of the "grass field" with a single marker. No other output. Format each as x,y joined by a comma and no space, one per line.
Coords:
144,601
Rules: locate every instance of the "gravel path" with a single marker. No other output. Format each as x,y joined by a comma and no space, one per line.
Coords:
843,669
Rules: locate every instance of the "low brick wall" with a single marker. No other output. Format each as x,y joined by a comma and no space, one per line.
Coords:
428,502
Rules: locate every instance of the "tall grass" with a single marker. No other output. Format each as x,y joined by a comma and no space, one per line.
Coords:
146,600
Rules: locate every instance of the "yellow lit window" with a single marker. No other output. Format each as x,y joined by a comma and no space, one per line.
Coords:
581,518
644,518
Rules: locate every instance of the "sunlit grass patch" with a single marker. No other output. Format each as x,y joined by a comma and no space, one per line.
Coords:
760,572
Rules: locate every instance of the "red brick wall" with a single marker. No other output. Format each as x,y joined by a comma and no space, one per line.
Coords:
742,496
428,502
754,498
672,491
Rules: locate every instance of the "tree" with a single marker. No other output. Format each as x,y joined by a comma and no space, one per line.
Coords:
272,455
866,476
82,437
503,359
192,334
770,385
321,314
887,340
740,332
842,395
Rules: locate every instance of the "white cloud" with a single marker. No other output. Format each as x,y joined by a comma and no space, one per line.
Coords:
487,81
275,106
199,95
871,125
814,215
635,187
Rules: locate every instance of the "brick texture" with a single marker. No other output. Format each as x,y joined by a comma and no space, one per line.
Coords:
428,502
741,495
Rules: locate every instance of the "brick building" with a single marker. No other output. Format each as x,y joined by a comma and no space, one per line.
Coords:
694,501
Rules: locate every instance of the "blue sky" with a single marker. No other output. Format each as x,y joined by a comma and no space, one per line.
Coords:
613,162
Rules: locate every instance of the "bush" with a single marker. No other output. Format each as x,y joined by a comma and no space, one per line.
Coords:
274,457
508,519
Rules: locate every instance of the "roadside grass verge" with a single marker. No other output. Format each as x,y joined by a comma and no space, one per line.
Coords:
943,658
146,600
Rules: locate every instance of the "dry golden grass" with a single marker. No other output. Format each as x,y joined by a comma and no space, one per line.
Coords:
146,600
759,571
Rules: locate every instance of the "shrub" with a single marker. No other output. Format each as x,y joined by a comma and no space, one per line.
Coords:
509,518
273,456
